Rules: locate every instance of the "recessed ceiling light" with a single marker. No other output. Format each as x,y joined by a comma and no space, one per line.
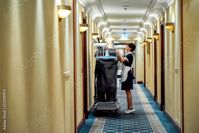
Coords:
125,7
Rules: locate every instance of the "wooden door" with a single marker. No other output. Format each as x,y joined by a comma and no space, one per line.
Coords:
162,104
84,77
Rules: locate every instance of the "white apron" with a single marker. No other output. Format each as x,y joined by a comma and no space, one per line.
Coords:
125,70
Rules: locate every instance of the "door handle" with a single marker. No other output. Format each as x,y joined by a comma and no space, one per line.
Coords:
177,69
67,74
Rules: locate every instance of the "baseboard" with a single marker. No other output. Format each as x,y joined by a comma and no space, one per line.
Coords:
173,122
91,107
149,92
158,105
139,82
81,124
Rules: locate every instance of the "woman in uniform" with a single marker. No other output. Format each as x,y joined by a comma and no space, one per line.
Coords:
126,75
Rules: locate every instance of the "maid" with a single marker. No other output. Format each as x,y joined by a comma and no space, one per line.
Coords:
126,75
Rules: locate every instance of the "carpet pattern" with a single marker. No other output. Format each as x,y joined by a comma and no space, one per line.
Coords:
146,119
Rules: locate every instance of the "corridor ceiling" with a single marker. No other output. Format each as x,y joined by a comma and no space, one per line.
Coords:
125,19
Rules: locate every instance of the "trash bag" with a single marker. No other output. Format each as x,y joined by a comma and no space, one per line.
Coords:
106,79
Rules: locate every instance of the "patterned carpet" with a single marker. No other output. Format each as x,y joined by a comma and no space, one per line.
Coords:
146,119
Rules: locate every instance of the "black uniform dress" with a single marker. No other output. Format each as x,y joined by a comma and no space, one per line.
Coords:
127,76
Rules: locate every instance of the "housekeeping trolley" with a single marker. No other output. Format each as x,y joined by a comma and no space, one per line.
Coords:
106,81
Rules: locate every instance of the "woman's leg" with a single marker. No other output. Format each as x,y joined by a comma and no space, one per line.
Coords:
129,99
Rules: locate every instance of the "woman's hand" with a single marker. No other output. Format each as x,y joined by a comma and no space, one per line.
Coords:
117,52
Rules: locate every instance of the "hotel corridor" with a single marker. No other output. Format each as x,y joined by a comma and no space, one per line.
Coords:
56,55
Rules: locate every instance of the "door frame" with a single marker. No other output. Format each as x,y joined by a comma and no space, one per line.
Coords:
74,61
182,68
162,104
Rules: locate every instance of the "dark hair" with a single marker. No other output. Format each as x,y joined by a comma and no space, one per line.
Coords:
132,46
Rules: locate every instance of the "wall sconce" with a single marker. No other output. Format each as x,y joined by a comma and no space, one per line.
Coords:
150,40
170,26
63,11
145,42
101,40
94,35
142,44
84,25
156,36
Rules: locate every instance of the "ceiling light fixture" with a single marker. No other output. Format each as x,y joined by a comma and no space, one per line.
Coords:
101,24
125,7
143,30
141,34
125,36
105,30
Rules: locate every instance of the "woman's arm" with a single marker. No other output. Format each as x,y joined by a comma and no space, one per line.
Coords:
121,58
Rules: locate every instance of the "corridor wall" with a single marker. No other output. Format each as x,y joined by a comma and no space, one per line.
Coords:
169,62
30,70
67,66
191,63
92,28
172,63
139,61
79,67
149,52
